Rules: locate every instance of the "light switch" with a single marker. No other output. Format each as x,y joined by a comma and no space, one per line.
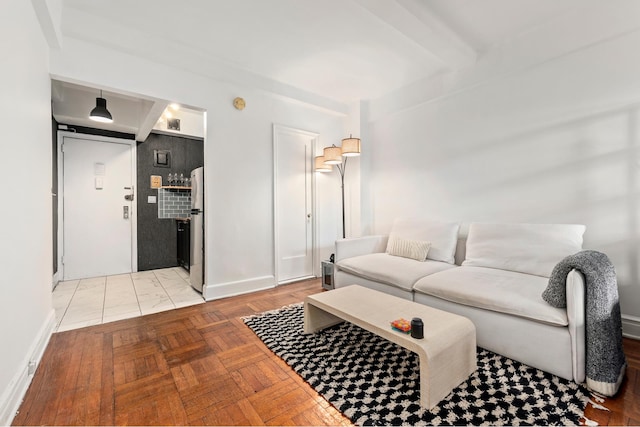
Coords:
151,199
99,183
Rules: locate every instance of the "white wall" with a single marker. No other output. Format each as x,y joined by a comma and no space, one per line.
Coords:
240,188
238,157
551,142
26,313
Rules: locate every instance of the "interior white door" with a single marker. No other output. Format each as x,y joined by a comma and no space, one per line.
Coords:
294,203
97,219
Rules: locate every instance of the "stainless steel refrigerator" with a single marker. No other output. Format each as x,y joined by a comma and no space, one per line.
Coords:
196,250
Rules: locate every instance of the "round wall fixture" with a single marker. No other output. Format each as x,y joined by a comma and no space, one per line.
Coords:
239,103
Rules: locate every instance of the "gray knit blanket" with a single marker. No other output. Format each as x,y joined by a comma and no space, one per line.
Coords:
606,363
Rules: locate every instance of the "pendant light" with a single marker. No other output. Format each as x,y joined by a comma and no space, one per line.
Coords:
100,113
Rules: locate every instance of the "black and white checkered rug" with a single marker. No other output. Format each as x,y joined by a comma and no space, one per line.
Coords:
375,382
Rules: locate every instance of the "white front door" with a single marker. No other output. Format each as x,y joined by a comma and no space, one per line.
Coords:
294,203
97,219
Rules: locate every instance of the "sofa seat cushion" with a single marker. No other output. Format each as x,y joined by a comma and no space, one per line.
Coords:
503,291
391,270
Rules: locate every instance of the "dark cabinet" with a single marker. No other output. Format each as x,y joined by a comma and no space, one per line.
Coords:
184,235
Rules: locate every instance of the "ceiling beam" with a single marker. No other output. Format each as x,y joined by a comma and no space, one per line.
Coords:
415,21
149,120
49,13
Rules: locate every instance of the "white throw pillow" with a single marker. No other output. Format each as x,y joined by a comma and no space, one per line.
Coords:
407,248
525,248
443,236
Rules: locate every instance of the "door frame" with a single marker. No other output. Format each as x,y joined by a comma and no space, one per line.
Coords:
315,137
62,134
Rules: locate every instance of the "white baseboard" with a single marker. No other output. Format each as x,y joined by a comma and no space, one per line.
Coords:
55,280
230,289
17,388
631,326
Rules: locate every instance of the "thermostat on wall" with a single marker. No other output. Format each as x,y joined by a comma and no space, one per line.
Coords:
156,181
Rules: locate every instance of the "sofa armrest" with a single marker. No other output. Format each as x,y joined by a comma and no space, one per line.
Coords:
347,248
576,316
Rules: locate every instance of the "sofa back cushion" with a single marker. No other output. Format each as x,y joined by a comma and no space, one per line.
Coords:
408,248
443,236
525,248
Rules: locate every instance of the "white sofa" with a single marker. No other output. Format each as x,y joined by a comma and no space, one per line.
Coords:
494,276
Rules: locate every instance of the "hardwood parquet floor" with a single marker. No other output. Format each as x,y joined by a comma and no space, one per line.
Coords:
624,408
201,365
198,365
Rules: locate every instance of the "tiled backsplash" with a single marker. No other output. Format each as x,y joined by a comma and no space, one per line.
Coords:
174,203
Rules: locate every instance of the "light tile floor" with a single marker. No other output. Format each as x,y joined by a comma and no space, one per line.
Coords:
86,302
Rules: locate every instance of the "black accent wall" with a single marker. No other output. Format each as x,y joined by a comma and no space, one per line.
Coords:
157,238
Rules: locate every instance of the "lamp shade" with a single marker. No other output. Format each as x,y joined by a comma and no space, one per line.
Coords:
351,147
320,166
332,155
100,113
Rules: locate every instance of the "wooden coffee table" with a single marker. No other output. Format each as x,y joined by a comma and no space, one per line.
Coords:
447,353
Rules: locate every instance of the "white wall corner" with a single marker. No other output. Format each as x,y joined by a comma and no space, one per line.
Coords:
353,122
631,326
12,396
240,287
353,179
49,13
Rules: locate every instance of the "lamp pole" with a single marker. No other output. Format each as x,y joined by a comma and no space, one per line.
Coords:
342,168
338,156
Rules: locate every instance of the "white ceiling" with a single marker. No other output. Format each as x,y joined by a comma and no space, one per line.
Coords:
72,104
342,50
485,23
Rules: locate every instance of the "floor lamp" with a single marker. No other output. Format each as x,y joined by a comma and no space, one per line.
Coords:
338,156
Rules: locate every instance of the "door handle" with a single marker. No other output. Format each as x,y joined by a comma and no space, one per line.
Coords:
125,212
129,197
